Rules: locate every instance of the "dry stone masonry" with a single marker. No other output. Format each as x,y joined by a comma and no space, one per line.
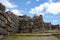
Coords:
8,22
35,24
11,23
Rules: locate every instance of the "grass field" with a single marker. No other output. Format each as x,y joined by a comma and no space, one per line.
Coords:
31,38
35,36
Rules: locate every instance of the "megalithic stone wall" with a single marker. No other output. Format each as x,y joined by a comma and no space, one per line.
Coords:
8,22
3,20
12,23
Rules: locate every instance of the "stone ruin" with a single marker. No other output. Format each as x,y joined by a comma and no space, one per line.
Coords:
11,23
8,22
34,25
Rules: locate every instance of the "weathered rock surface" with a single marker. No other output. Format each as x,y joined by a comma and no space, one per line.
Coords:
11,23
8,22
3,31
1,37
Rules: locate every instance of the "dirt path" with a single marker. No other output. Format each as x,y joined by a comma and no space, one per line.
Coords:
39,38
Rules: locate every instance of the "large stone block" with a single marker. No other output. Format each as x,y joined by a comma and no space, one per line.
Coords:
0,11
2,37
3,31
12,25
2,17
9,33
2,24
10,29
9,19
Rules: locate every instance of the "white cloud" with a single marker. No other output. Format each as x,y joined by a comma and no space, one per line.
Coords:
50,1
54,8
49,7
54,21
39,9
28,2
7,9
17,12
40,14
8,4
37,0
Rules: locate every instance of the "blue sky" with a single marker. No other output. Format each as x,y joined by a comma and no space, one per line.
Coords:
50,9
